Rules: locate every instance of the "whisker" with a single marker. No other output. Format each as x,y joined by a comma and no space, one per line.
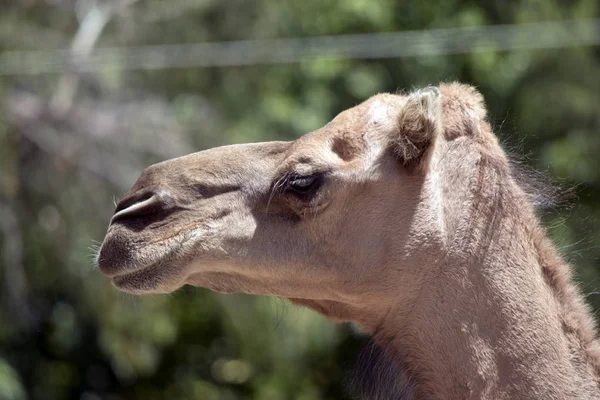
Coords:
278,185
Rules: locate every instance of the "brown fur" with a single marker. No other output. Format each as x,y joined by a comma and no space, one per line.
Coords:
445,265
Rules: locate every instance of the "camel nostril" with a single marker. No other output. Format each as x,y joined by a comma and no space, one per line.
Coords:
131,200
141,204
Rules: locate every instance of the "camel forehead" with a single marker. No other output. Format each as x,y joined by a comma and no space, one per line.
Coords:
345,136
356,120
378,106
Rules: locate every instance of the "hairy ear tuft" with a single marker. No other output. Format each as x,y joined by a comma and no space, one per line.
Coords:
419,122
463,109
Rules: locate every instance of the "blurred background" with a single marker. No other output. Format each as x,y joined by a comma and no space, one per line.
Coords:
93,91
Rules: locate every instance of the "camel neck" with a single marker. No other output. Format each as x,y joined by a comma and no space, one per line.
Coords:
496,326
495,314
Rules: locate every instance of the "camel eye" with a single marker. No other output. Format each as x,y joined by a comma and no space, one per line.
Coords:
304,185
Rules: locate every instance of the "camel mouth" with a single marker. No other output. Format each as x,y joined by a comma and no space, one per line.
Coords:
162,276
135,269
144,280
128,280
121,256
117,256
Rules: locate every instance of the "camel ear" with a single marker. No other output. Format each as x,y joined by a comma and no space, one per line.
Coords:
419,122
463,110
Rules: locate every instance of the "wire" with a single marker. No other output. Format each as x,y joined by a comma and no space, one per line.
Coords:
540,35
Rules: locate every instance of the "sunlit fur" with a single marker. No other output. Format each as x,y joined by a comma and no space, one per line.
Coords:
419,231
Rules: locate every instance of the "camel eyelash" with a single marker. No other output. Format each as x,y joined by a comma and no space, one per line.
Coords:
303,186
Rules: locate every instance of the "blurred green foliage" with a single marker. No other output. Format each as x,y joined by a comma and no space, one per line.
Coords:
65,333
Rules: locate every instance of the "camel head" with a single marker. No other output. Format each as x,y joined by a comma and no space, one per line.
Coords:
336,220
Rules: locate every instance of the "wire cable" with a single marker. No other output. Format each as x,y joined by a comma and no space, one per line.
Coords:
539,35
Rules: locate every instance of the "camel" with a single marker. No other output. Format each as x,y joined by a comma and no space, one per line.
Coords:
402,215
